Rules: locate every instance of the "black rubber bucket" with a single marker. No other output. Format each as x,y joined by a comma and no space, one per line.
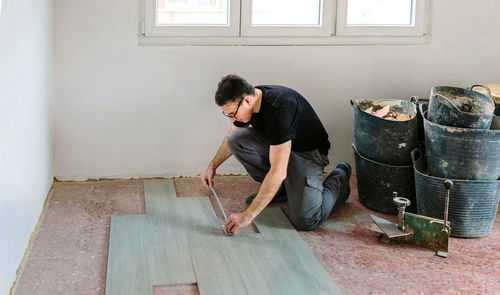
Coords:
462,153
495,123
376,183
473,204
422,106
383,140
459,107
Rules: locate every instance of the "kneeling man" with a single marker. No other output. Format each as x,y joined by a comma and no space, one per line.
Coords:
279,139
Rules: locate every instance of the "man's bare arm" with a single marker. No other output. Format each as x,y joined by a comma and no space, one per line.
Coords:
223,153
278,157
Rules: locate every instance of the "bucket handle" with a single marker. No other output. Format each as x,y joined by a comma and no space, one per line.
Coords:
416,154
416,100
449,101
421,110
354,148
479,85
354,103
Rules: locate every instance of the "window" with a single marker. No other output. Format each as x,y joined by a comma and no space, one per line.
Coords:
286,18
192,12
191,17
381,18
254,22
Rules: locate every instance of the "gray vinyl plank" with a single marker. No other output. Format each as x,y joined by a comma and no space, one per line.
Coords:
168,241
261,272
304,272
126,258
167,247
143,252
215,267
159,195
274,225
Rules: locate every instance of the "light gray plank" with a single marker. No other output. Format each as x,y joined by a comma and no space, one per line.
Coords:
215,267
261,272
126,259
160,195
167,244
152,249
274,225
304,272
167,247
144,252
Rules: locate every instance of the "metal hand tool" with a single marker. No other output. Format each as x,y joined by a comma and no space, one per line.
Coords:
417,229
221,209
220,205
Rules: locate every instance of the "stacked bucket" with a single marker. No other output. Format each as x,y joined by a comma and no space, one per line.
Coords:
461,145
382,151
495,95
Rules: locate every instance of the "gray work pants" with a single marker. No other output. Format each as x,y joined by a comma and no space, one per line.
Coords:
309,199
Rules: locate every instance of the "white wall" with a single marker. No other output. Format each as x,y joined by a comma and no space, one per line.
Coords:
125,110
26,94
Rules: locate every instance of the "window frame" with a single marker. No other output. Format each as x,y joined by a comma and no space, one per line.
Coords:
147,35
418,30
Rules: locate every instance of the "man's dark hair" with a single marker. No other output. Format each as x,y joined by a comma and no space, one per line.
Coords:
231,88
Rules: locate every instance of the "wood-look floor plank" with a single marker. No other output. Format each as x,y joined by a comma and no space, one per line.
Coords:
215,267
159,195
168,243
261,272
151,249
127,260
303,270
144,252
170,260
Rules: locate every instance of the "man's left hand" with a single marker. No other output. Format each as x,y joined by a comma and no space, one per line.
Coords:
236,221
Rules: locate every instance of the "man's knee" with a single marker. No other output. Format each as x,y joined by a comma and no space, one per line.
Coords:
235,139
305,224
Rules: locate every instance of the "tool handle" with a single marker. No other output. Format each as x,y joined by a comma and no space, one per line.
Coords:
448,184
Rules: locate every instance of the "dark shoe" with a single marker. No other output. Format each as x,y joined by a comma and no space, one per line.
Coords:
345,190
250,198
278,198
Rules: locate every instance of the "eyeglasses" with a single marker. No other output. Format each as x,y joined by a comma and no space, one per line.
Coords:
235,112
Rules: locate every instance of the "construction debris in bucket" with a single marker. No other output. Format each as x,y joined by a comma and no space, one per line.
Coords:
386,113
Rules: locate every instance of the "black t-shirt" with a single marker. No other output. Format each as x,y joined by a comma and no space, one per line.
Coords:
286,115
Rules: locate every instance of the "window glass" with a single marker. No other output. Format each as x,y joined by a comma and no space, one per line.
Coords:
380,12
192,12
286,12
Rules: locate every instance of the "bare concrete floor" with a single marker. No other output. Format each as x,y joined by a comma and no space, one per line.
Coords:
69,253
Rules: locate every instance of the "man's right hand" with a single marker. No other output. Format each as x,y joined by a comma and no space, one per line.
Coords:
208,177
